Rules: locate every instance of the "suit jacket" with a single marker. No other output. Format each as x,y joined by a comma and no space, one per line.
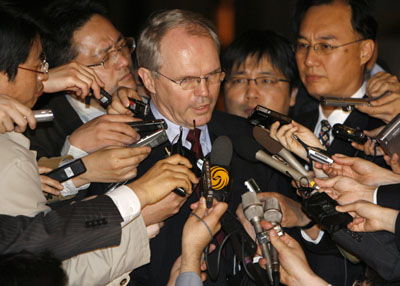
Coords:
65,232
166,247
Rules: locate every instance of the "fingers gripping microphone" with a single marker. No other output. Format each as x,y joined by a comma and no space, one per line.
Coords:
273,214
253,210
249,150
274,147
219,168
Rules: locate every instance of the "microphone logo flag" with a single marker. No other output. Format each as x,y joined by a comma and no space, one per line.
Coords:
219,177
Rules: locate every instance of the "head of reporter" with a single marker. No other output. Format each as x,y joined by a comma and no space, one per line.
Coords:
261,70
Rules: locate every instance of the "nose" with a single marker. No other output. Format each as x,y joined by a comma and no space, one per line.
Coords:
252,90
311,57
202,89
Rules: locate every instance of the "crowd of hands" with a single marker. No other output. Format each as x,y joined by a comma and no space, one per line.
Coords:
351,181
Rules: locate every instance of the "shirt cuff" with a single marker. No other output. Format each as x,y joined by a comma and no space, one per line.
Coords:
309,239
69,149
188,278
71,189
127,203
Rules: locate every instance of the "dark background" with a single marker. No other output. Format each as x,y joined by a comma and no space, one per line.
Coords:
232,17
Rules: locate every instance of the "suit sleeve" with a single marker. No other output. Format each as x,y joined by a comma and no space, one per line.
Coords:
389,196
66,232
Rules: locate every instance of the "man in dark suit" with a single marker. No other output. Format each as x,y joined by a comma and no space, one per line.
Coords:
178,55
335,41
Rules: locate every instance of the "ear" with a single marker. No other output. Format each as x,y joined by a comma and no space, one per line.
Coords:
293,95
147,78
366,50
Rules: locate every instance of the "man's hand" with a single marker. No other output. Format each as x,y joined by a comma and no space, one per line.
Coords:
162,178
370,147
363,171
370,217
196,236
285,136
104,131
13,112
387,107
49,185
345,190
294,268
112,165
120,101
393,162
163,209
73,77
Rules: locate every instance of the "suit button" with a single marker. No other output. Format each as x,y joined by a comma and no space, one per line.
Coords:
123,282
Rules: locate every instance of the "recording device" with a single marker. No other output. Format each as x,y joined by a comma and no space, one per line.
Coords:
349,134
43,115
316,154
319,155
148,125
253,211
389,137
264,117
347,104
208,192
139,108
274,147
178,148
152,140
67,171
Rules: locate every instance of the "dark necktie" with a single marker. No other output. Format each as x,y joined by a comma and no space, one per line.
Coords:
194,138
324,133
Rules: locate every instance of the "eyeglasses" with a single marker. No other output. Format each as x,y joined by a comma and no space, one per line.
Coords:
320,48
193,82
264,82
126,48
44,67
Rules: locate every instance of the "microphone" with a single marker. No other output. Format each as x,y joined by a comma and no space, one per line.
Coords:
273,214
253,211
274,147
219,168
251,151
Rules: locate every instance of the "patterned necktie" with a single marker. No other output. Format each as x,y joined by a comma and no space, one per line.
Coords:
324,133
194,138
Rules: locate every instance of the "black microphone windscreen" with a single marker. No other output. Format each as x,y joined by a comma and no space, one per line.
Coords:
247,148
263,138
222,150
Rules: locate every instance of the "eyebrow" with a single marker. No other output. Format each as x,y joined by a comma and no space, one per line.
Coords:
106,49
211,72
261,73
325,38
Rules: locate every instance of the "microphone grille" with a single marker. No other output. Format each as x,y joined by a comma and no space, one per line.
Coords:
265,140
272,211
222,150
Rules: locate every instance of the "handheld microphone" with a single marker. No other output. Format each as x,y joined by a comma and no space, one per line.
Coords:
274,147
273,214
253,211
251,151
220,160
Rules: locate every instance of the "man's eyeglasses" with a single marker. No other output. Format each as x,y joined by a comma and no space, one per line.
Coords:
44,67
193,82
264,82
320,48
126,48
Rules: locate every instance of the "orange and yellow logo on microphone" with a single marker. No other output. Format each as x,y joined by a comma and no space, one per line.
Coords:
219,178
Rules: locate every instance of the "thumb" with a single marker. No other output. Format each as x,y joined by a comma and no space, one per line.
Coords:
276,241
346,208
201,207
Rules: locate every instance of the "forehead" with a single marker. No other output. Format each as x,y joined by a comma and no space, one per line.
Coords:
35,52
184,52
97,34
327,21
253,64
